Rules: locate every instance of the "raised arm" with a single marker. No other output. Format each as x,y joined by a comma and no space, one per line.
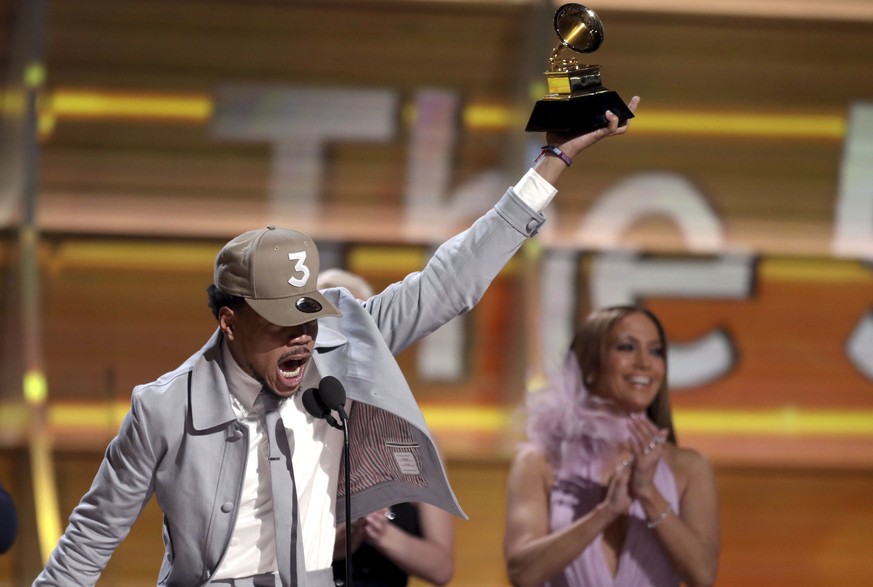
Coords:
460,271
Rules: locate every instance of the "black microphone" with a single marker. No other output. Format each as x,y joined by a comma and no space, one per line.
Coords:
314,404
333,395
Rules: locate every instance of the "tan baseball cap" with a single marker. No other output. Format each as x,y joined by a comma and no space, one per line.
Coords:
276,271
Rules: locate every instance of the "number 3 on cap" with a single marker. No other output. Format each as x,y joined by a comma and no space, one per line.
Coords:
299,266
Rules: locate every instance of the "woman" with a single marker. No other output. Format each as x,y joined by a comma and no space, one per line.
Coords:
601,494
390,546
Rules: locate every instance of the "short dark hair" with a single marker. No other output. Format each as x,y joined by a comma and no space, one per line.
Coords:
218,299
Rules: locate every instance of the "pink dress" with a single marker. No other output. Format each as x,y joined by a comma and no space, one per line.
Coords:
577,490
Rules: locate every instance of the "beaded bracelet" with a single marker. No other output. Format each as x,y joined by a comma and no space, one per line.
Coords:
549,149
652,524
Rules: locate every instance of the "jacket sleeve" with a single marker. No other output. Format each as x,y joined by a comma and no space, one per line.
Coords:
457,275
103,518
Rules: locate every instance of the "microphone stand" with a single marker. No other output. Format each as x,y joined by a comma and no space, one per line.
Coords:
320,402
348,485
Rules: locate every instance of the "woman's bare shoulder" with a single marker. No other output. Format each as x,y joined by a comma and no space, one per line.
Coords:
532,460
530,456
688,464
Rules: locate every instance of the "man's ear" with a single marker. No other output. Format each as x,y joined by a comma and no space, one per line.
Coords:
227,321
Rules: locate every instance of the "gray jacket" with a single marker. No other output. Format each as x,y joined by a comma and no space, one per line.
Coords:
182,442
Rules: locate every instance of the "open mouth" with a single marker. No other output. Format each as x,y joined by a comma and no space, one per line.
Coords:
291,371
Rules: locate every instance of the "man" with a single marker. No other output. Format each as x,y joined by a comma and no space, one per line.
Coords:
199,438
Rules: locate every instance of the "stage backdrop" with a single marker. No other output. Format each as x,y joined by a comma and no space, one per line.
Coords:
739,207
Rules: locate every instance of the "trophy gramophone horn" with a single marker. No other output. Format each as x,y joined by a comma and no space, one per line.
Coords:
579,29
576,101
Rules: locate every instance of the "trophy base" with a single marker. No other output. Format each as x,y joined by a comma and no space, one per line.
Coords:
578,115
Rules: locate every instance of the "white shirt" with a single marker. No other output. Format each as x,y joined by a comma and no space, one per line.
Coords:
316,459
535,191
317,451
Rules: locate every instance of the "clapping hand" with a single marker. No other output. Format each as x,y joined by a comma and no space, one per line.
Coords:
647,445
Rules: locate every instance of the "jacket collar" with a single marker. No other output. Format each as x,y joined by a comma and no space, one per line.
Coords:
207,387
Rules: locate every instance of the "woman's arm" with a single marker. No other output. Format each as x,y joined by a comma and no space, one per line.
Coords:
690,538
429,557
533,554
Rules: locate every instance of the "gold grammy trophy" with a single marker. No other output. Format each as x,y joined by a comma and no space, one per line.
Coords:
576,102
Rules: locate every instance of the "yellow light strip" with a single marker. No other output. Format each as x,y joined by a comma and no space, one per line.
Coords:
136,255
106,416
396,259
486,117
65,103
198,108
781,422
816,270
777,422
773,125
467,418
